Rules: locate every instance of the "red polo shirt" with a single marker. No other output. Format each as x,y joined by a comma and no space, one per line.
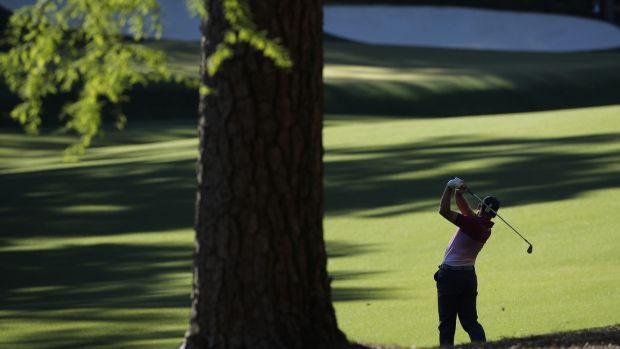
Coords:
468,240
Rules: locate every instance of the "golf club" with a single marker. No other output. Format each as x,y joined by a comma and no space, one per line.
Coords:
529,249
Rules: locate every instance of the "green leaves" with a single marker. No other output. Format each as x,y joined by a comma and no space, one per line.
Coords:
80,45
243,29
90,47
197,9
237,13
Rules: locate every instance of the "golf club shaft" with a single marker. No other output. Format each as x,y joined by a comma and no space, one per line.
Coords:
500,217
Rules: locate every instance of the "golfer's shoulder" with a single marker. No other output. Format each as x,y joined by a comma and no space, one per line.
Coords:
475,227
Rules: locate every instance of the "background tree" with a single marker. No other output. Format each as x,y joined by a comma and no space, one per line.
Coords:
75,45
260,276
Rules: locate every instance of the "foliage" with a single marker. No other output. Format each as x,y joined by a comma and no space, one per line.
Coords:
243,30
67,45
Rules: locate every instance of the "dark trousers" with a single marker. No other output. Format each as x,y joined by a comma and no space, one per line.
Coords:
456,295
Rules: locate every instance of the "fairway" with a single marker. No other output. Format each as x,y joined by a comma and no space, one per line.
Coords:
97,254
555,173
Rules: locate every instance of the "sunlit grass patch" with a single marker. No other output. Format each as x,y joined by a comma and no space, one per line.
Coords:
555,173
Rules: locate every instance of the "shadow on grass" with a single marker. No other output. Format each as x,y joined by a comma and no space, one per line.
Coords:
529,171
92,276
122,286
100,295
118,276
98,200
102,277
428,82
144,197
68,339
44,283
113,285
338,249
409,100
114,295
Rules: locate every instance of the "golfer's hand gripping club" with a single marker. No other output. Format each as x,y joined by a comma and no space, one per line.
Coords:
530,248
455,183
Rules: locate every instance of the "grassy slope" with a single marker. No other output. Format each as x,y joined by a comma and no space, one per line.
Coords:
425,82
550,168
97,254
555,173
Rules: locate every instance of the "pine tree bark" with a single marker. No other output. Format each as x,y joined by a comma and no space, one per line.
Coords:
260,275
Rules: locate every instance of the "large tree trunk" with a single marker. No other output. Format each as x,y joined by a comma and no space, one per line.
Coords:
260,276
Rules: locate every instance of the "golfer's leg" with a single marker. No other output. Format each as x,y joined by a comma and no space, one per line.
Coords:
468,316
448,305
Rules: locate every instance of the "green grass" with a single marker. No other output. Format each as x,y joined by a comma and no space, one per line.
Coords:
98,254
425,82
555,172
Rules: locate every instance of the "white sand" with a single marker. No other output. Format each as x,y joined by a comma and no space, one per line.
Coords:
450,27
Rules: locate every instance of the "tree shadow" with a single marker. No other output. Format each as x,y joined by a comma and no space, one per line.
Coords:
395,81
81,285
67,339
92,276
44,282
408,100
95,282
116,283
340,249
101,199
98,200
534,171
118,276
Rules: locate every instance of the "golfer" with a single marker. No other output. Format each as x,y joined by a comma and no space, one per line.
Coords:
457,285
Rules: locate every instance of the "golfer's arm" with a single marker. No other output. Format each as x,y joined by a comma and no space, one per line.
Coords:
463,205
444,205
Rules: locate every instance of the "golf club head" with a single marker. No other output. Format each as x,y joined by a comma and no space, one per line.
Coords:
529,249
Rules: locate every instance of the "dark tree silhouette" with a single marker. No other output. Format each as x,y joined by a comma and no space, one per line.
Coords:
260,276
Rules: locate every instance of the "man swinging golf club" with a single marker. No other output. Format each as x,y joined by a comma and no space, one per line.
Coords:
456,278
